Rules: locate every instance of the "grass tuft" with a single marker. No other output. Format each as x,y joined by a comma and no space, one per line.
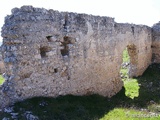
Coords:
131,88
1,80
125,56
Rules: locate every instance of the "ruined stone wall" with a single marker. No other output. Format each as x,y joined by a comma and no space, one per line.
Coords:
51,53
156,43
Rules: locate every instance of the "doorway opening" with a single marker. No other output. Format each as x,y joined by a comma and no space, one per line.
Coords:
130,84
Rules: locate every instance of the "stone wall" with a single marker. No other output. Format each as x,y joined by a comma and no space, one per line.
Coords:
50,53
156,43
2,67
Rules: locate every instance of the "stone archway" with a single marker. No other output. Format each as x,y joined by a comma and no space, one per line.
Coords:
129,62
128,69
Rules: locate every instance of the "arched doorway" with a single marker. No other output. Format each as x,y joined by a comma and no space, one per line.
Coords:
128,71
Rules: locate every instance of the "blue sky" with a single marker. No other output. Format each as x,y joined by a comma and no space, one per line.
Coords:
145,12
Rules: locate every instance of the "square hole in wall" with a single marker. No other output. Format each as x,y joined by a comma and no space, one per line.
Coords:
43,51
55,70
66,41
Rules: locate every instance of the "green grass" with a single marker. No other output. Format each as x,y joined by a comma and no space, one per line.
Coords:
125,56
145,106
1,80
129,114
131,88
130,84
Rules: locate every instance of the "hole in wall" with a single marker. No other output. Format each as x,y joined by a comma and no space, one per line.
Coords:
66,41
65,25
49,38
115,25
152,46
43,51
65,51
130,84
52,69
55,70
132,30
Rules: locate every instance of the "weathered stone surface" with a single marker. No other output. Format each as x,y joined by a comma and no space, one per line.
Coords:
51,53
156,43
2,67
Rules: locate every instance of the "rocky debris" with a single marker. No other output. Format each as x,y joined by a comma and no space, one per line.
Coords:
30,116
14,115
125,65
43,103
123,76
8,109
152,102
5,118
